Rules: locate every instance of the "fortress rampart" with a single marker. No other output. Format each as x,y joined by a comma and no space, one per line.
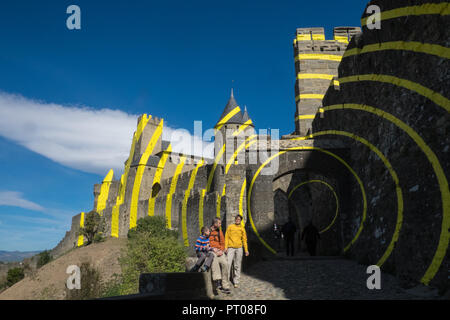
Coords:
367,163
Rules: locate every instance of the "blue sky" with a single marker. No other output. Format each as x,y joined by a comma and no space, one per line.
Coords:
69,99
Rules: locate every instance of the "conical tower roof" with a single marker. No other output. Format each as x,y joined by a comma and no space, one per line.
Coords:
246,119
231,114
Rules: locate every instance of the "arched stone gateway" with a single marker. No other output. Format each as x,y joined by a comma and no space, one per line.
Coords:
309,186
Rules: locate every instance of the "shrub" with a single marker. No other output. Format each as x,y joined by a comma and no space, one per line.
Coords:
156,226
92,225
3,283
151,248
90,282
14,275
99,237
112,288
43,258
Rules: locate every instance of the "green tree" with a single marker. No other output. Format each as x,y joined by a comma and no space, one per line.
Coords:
151,248
156,226
92,225
14,275
44,257
99,237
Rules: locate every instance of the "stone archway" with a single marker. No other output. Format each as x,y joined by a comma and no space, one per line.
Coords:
305,196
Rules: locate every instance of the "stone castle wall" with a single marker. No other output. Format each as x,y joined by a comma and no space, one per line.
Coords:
394,94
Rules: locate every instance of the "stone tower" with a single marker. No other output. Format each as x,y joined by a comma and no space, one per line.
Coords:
316,64
229,123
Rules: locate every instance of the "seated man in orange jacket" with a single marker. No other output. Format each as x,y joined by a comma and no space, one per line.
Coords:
219,267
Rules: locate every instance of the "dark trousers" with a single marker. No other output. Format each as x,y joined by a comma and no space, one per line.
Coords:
290,246
311,246
206,257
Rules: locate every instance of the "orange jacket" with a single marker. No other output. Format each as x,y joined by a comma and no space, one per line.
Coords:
217,240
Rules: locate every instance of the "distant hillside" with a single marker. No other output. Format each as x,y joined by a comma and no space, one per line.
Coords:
16,256
49,281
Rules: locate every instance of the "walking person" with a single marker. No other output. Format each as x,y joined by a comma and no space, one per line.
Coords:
235,245
203,251
311,235
219,267
277,235
288,231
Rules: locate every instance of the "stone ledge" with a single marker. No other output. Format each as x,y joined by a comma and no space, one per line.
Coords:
176,285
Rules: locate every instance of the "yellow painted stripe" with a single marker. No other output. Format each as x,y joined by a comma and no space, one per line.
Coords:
104,192
425,9
303,37
241,198
115,221
173,186
241,146
307,37
141,125
332,190
394,176
200,210
315,76
336,83
109,176
80,237
318,37
318,56
211,174
227,117
342,39
440,176
123,179
309,96
140,172
306,148
437,98
187,193
419,47
218,199
216,161
306,117
157,178
243,127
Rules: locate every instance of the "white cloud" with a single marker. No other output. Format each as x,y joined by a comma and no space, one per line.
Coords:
82,138
186,143
15,199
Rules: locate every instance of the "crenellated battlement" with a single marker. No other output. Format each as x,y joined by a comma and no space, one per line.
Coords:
313,39
316,68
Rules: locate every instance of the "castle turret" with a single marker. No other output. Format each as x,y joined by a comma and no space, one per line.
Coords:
229,123
247,122
231,115
316,64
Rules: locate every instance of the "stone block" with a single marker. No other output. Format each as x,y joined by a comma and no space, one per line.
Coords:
177,285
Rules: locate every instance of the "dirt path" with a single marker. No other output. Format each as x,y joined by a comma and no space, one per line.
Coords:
49,281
